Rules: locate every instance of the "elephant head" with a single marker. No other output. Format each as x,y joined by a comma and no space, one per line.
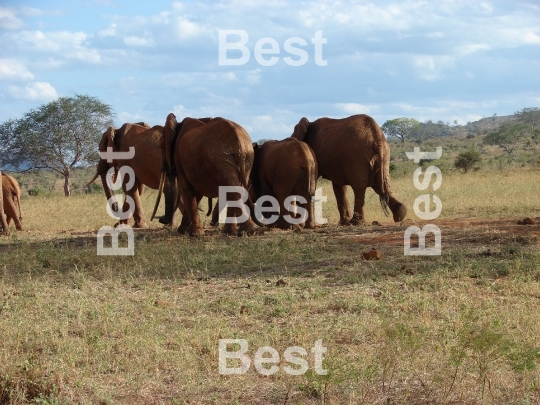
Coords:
111,138
300,129
107,140
167,141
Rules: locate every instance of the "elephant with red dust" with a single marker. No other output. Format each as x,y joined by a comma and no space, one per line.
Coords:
205,154
145,163
11,196
352,152
282,169
3,222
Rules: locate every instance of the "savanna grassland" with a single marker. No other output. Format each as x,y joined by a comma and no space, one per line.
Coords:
460,328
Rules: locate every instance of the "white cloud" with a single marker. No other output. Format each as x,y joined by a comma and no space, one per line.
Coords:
531,38
254,76
430,67
124,117
35,91
137,41
31,11
66,44
354,108
186,29
270,126
463,119
13,69
110,31
466,49
8,20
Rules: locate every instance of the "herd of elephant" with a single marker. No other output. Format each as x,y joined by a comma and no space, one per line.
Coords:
191,159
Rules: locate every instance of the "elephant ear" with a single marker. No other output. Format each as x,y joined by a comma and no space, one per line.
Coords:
300,129
167,140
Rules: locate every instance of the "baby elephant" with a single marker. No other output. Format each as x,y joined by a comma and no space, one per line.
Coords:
282,169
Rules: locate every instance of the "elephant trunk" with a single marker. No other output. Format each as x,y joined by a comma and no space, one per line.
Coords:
170,193
108,192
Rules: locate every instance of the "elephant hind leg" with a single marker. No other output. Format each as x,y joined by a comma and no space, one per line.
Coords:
343,204
240,226
11,213
359,199
310,221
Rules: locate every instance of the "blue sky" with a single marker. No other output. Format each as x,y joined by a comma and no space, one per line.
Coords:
438,60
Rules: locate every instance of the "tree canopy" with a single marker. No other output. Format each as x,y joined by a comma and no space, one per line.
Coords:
507,136
400,127
466,160
529,116
56,136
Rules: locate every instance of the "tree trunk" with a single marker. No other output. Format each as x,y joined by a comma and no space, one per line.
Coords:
67,189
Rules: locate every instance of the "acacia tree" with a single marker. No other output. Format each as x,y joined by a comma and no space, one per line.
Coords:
57,136
507,136
529,116
400,127
466,160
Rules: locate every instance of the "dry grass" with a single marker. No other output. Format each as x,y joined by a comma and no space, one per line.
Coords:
462,328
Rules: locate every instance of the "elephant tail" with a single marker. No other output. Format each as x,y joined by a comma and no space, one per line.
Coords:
18,197
209,206
384,175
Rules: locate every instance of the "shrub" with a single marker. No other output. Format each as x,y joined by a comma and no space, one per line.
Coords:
466,160
35,191
93,188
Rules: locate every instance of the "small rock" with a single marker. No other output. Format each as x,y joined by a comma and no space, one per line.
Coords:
376,223
243,309
526,221
281,283
373,254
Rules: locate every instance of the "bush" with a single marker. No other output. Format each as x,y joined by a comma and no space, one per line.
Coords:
393,167
35,191
466,160
93,188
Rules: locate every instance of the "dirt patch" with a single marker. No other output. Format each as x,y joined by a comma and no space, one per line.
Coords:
454,232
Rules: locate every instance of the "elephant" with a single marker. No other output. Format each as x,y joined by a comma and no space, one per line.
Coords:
11,195
352,151
146,164
3,221
282,169
205,154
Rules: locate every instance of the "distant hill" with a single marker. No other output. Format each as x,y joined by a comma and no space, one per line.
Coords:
487,124
431,129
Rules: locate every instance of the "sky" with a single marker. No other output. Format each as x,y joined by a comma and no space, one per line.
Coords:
455,61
